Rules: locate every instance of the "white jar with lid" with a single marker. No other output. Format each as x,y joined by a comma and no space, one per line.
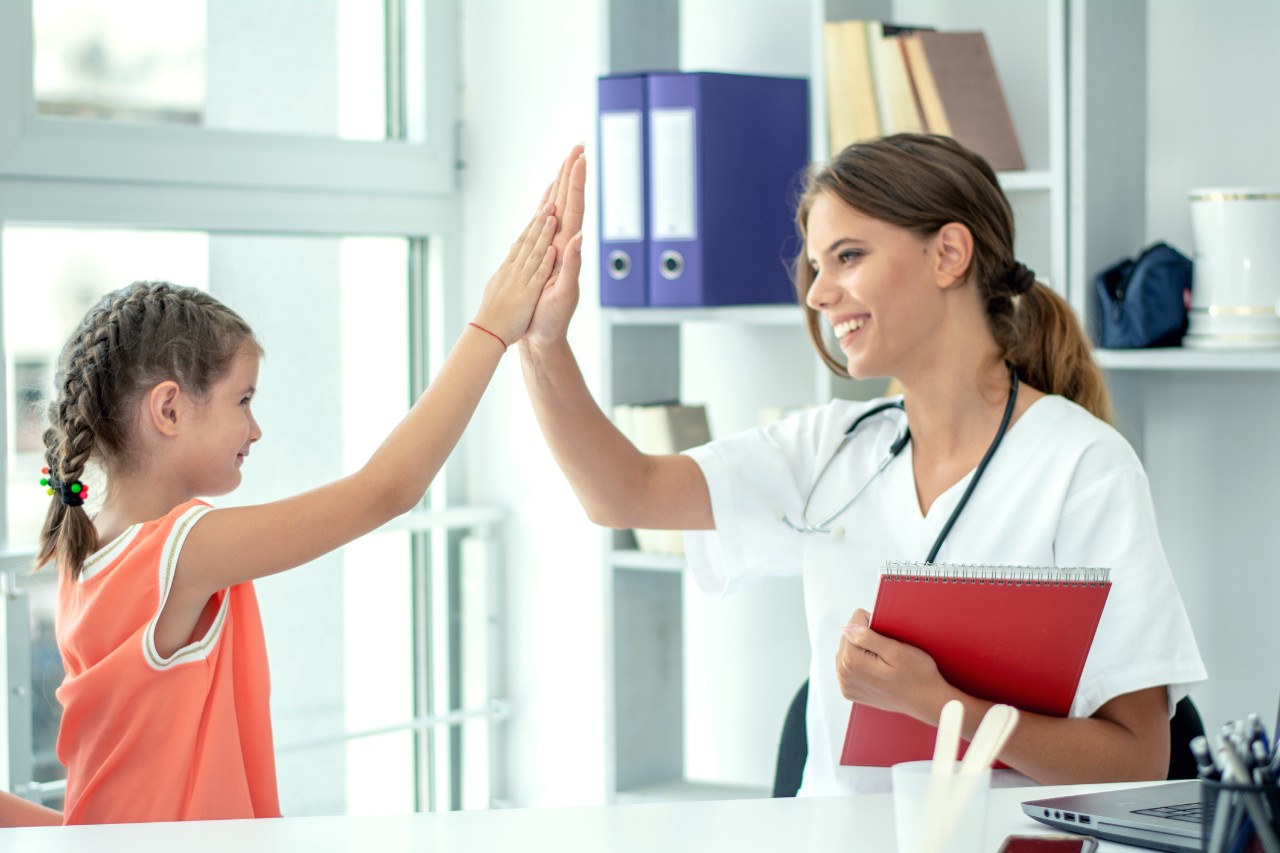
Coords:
1235,292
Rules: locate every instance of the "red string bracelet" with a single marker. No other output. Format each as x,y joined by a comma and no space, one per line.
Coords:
487,332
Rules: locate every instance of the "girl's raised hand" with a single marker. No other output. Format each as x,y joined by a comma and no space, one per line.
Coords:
560,297
511,294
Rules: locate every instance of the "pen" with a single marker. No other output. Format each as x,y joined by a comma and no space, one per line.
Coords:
1254,728
1234,771
1204,759
1262,773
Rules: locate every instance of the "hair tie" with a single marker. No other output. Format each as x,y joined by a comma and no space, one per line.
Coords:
72,494
1018,278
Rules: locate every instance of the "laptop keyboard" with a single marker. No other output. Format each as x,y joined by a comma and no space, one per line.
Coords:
1190,812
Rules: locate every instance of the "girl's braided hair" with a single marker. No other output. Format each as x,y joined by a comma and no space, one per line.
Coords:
134,338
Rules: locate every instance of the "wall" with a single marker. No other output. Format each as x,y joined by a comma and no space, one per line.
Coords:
529,94
1210,445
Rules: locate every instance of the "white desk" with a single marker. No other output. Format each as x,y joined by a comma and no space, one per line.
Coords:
827,824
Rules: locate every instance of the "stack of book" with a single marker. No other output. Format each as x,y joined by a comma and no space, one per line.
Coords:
885,78
660,429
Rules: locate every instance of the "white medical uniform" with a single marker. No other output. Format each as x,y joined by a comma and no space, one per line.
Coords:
1063,489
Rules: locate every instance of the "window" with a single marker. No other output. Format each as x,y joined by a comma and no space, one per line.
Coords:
289,66
333,239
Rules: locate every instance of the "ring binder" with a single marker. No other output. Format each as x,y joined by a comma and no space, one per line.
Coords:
624,243
725,154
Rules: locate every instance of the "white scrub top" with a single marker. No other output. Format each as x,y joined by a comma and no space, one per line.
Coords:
1064,489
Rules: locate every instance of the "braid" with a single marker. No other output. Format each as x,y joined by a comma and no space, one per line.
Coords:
131,340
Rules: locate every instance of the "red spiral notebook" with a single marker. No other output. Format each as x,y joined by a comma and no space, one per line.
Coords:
1007,634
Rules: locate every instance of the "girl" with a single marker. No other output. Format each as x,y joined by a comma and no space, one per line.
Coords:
908,259
165,711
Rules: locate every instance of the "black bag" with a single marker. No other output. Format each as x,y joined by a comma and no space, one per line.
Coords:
1143,303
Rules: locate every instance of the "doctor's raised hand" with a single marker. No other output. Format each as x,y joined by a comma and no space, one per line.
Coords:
998,451
559,299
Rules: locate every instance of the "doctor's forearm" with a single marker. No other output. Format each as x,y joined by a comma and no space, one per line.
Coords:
1077,750
605,470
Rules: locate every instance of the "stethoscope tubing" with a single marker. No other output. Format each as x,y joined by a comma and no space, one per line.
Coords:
894,450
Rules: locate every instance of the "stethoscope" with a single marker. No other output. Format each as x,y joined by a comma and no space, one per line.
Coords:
824,526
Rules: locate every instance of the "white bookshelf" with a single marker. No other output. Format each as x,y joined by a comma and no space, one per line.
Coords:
1085,80
1148,123
682,706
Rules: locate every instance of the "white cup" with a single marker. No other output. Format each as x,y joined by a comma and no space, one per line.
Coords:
912,823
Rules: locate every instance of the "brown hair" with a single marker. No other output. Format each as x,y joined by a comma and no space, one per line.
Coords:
131,340
923,182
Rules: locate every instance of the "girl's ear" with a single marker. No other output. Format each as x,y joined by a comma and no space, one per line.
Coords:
164,407
954,246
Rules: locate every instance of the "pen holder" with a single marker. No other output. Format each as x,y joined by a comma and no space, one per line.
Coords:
1231,813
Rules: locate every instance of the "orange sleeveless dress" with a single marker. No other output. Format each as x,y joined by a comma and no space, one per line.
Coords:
147,738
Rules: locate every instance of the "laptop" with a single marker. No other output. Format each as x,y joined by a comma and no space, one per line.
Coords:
1160,817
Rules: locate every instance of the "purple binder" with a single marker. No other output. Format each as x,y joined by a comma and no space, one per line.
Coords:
624,279
727,154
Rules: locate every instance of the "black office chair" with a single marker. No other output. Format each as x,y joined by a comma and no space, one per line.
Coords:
793,748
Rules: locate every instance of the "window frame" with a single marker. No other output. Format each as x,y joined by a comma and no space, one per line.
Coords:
34,146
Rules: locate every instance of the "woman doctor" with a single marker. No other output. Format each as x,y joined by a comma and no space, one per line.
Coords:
908,258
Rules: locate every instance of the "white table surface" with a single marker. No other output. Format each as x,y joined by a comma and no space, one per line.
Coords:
829,824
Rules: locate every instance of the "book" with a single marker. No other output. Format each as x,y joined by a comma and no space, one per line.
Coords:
661,429
896,99
960,94
1010,634
852,110
901,105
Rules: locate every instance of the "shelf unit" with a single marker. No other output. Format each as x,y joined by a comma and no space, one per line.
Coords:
664,633
665,640
1102,109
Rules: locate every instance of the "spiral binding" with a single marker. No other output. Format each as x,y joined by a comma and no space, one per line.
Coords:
1000,575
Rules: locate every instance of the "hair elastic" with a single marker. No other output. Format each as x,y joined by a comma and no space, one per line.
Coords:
1018,278
487,332
72,494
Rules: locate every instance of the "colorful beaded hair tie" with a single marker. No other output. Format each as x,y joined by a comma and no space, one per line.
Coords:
72,494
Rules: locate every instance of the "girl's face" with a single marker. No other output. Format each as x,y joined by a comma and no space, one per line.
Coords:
222,428
875,285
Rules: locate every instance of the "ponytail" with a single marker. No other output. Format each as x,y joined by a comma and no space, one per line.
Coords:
1043,341
68,533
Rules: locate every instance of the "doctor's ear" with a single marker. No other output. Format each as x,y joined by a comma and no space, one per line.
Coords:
953,245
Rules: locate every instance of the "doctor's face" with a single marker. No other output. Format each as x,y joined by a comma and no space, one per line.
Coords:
873,283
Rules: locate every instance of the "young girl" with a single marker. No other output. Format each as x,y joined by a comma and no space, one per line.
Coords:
165,700
908,262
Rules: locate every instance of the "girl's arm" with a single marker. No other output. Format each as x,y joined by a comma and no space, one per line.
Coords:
15,811
229,546
1127,739
617,484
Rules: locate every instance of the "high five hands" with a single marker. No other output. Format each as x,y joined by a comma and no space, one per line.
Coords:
875,670
542,267
560,297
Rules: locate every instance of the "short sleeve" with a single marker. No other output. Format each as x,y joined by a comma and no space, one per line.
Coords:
749,541
1144,638
755,478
